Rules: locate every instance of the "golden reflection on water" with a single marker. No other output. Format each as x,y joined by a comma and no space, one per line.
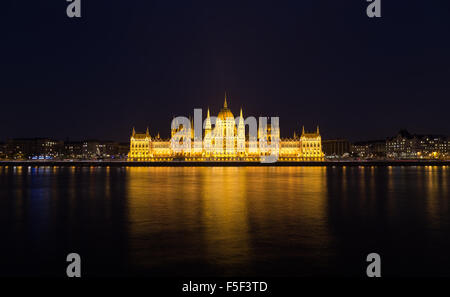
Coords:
225,214
218,210
435,191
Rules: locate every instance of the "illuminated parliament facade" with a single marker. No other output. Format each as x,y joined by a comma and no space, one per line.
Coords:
226,141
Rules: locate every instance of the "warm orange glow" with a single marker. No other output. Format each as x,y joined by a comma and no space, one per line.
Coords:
226,143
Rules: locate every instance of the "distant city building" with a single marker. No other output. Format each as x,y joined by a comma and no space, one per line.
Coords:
413,146
33,149
2,150
227,141
123,149
336,147
48,149
73,150
369,149
92,150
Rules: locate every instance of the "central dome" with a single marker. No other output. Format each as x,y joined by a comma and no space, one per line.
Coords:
225,113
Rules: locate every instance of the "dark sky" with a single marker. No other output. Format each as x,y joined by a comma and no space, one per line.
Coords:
138,63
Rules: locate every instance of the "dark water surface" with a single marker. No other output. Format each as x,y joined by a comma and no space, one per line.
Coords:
225,221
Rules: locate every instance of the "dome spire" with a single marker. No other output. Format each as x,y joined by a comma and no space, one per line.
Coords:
225,105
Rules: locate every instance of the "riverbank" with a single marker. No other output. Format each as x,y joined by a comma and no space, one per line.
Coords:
222,164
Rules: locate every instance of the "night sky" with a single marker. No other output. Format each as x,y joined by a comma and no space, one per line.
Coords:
139,63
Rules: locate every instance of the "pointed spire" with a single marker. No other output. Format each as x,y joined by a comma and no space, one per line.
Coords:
241,112
303,130
158,136
147,133
225,105
133,132
208,122
317,129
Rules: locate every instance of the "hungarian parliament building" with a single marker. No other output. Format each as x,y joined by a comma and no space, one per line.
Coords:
227,141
